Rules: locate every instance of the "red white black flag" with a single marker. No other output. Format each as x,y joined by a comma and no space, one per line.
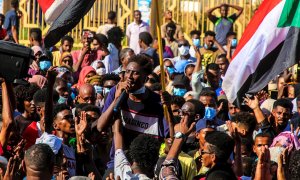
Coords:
269,45
63,16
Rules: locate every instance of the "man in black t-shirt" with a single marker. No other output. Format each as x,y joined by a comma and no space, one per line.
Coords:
141,112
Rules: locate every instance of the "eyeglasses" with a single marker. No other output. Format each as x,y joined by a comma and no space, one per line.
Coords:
176,110
67,61
87,99
151,80
185,113
205,152
179,45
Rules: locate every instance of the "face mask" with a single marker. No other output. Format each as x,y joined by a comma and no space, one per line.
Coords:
179,91
101,71
205,46
210,112
196,42
140,91
234,42
106,90
171,70
184,50
45,65
62,100
98,89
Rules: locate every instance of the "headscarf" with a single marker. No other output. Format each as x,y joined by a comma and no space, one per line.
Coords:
38,80
95,78
61,71
286,139
63,56
84,71
36,49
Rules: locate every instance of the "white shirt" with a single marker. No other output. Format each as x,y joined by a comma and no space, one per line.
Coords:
122,168
132,32
111,61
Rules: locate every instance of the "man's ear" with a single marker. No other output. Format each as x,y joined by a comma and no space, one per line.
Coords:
214,158
273,112
253,149
197,135
55,126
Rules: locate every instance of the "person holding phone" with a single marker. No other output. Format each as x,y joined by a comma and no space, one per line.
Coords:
85,56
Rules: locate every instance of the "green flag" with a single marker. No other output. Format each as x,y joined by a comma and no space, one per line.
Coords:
290,15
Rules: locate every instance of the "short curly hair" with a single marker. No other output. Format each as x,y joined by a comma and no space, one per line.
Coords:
178,100
58,108
115,35
143,61
107,77
39,98
144,150
24,93
245,119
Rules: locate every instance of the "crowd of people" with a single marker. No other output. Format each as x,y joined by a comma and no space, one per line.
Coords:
100,113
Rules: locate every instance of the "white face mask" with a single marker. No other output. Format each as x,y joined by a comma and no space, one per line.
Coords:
184,50
101,71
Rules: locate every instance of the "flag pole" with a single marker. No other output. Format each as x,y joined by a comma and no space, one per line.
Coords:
166,109
160,50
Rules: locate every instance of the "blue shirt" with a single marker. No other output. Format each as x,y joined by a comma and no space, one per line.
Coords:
11,19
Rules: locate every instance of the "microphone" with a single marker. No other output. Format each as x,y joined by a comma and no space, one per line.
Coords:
121,99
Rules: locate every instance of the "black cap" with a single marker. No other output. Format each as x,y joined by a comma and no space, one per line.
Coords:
181,80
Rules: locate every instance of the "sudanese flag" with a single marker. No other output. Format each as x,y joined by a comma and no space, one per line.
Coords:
63,16
269,45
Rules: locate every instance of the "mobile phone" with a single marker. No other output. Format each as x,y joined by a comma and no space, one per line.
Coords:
250,96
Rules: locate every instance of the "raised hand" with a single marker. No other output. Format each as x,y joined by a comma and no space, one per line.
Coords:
18,150
183,126
125,85
262,95
62,175
252,103
197,52
51,75
165,98
92,176
11,170
81,125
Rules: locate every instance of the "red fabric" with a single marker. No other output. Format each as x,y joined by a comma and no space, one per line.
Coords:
2,34
1,150
88,58
85,71
264,9
45,4
30,134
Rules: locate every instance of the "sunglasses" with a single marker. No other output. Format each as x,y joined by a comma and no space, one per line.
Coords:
184,113
179,45
205,152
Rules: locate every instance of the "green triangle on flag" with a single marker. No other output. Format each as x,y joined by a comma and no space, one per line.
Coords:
290,15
